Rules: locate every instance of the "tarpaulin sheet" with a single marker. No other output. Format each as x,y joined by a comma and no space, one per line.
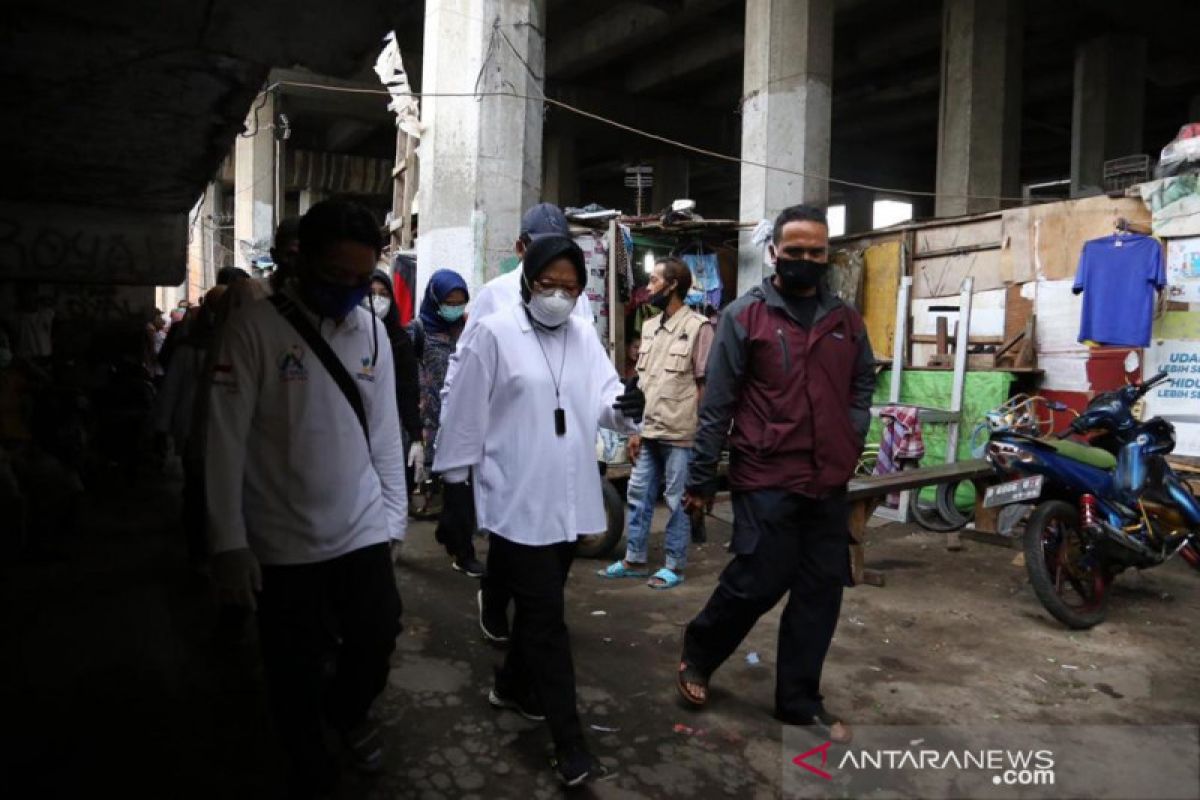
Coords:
982,392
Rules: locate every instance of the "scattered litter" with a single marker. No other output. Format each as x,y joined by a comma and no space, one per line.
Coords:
604,729
875,669
752,658
856,621
608,640
687,730
1040,678
887,641
599,613
1068,666
1052,660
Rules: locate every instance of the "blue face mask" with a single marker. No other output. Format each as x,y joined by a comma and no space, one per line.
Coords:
451,313
333,300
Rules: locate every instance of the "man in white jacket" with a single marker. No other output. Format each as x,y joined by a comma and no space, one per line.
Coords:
308,482
533,386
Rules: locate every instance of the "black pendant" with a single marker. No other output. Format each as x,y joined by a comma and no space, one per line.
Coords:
560,422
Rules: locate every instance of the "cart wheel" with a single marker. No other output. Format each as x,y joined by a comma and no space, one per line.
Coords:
602,544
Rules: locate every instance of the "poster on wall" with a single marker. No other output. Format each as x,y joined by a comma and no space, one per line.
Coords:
1180,398
1183,270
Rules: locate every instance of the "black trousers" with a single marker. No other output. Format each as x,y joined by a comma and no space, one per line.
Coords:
786,544
344,612
456,527
539,657
194,512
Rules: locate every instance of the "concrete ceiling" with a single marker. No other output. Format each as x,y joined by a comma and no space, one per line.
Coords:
886,80
126,104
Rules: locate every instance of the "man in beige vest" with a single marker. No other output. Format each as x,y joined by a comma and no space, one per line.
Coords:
670,369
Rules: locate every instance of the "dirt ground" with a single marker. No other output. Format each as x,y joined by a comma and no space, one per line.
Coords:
117,682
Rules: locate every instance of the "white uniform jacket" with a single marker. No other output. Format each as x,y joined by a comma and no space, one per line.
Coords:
288,470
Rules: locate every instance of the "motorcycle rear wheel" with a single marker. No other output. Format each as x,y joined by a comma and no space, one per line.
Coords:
1068,579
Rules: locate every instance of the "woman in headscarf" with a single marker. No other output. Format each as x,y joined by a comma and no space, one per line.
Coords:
382,303
435,333
533,386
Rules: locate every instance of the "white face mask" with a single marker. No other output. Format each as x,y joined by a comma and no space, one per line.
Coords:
378,305
551,309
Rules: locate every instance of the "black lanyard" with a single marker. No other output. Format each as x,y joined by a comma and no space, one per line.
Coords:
560,416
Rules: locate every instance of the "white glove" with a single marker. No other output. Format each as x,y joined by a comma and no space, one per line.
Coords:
416,460
237,577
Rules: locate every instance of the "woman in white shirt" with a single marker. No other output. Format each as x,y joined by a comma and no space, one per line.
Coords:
533,386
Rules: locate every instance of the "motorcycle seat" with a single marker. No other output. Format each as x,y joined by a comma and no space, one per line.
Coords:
1084,454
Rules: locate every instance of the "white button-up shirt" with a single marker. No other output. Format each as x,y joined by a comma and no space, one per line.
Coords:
531,486
287,466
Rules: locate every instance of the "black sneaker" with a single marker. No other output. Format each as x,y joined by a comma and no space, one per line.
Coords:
528,710
573,767
493,625
364,747
471,567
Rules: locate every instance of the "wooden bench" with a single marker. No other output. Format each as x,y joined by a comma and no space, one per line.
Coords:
866,493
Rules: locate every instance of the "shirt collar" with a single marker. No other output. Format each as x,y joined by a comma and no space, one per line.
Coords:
826,300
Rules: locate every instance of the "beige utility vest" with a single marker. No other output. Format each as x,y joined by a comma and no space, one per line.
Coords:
666,376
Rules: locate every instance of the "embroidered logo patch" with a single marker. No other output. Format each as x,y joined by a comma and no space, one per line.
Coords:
291,365
367,373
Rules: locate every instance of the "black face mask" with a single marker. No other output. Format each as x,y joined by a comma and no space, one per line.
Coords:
662,299
799,274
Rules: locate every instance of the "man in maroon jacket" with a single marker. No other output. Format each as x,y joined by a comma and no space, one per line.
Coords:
790,380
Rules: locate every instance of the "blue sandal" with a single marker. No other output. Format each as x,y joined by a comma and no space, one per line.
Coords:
670,579
619,570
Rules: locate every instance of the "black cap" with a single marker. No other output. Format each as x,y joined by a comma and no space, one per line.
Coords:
544,219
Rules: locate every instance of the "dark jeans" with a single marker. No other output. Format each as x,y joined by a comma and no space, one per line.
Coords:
539,658
797,546
345,611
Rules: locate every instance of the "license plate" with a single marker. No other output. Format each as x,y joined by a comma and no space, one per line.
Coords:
1016,491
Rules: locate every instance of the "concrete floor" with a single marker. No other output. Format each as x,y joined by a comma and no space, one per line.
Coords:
116,681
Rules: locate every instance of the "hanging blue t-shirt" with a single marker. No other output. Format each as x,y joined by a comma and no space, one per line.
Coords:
1119,276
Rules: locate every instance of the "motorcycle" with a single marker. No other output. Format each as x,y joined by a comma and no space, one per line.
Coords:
1101,507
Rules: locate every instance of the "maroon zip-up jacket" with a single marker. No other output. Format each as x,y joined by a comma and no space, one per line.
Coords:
795,404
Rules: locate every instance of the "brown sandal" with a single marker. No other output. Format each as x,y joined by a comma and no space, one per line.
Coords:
689,674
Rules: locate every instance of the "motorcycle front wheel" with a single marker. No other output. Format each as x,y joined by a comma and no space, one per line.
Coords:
1067,575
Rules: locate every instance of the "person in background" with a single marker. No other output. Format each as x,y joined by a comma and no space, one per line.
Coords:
435,333
534,384
792,372
381,303
35,327
633,347
304,494
503,292
173,413
670,369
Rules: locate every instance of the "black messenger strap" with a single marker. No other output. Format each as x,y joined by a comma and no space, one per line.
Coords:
333,365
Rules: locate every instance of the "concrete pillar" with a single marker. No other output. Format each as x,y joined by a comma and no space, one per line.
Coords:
481,158
787,76
201,254
254,183
561,172
1109,103
860,210
979,127
307,199
670,181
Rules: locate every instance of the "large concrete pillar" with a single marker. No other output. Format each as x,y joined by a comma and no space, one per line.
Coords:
979,129
671,182
481,158
202,244
254,183
860,210
561,185
1110,96
787,76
